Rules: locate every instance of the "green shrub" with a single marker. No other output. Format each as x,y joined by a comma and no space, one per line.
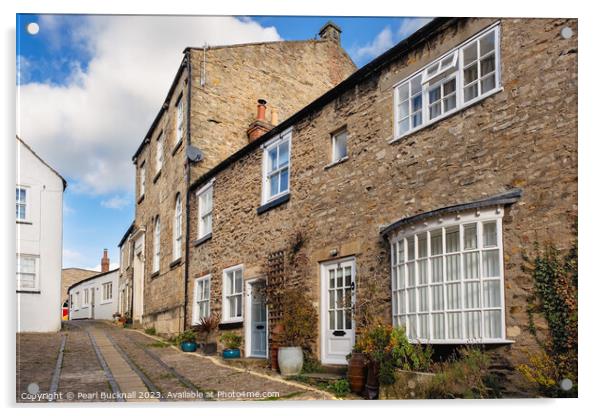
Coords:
186,336
150,331
231,340
340,388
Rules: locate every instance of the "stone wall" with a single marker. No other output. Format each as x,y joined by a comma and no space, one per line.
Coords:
522,136
287,74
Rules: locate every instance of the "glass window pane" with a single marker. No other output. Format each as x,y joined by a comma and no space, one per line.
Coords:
339,319
437,269
472,295
487,84
331,299
487,65
436,242
331,278
453,296
411,249
283,154
401,277
487,43
438,326
454,325
417,119
452,262
232,306
470,74
411,274
423,321
404,90
471,92
238,305
416,84
449,87
273,159
401,301
416,103
470,236
492,321
348,276
491,294
412,330
284,180
491,263
404,109
470,53
471,265
274,184
452,239
423,272
435,94
423,302
422,245
238,281
435,110
437,297
404,125
449,103
490,234
339,277
411,300
473,325
331,324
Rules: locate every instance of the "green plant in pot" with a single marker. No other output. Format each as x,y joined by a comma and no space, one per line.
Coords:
232,343
187,341
299,320
206,329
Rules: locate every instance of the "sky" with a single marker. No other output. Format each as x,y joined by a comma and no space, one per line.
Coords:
88,88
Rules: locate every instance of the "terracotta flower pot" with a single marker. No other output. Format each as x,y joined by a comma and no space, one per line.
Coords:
356,372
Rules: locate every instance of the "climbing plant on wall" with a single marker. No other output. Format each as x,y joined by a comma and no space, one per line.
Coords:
555,298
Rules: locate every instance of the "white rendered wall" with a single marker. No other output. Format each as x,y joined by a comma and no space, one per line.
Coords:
102,310
41,235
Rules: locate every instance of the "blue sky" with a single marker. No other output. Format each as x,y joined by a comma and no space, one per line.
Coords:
85,102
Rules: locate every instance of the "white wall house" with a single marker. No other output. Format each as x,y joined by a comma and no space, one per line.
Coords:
39,245
95,297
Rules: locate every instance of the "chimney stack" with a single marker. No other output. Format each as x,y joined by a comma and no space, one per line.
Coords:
260,126
104,262
331,31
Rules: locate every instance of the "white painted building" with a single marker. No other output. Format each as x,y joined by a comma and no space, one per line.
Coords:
39,244
95,297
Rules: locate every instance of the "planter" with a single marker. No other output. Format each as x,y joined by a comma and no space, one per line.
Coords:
230,353
188,346
408,385
209,348
290,360
356,372
372,384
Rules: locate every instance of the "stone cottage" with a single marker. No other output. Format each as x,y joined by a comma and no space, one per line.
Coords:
206,116
420,180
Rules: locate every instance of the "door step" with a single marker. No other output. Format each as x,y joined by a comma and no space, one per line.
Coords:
324,377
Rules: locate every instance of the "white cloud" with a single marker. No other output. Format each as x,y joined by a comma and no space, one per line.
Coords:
411,25
89,126
382,42
115,202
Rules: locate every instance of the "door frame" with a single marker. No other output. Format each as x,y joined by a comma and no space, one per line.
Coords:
324,303
140,253
247,318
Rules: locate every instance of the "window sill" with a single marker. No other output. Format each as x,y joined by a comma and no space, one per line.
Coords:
141,198
106,302
31,292
336,162
450,114
157,175
176,147
231,324
154,274
175,263
273,203
201,240
24,222
463,342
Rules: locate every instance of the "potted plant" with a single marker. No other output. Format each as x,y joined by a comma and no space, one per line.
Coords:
206,328
299,320
187,341
232,343
356,370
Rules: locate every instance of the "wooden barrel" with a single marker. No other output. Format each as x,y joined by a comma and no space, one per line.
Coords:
356,372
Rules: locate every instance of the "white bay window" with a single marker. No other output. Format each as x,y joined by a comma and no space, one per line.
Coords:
447,279
459,78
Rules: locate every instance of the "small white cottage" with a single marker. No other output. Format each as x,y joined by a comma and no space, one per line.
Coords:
94,297
39,227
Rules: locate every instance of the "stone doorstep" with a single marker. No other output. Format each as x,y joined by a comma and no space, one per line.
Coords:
325,377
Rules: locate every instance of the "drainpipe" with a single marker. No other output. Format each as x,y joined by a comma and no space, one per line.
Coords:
186,193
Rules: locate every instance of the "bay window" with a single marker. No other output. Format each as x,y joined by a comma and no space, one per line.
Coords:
232,294
447,279
457,79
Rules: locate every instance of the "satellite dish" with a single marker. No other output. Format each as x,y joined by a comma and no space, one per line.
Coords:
194,154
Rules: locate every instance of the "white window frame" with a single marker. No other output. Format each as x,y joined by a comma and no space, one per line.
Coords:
199,297
21,203
205,212
226,318
267,173
142,179
401,316
86,301
106,292
160,153
335,138
156,244
457,61
177,228
36,274
179,120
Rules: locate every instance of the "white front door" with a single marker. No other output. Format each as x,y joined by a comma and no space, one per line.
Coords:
336,317
258,321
